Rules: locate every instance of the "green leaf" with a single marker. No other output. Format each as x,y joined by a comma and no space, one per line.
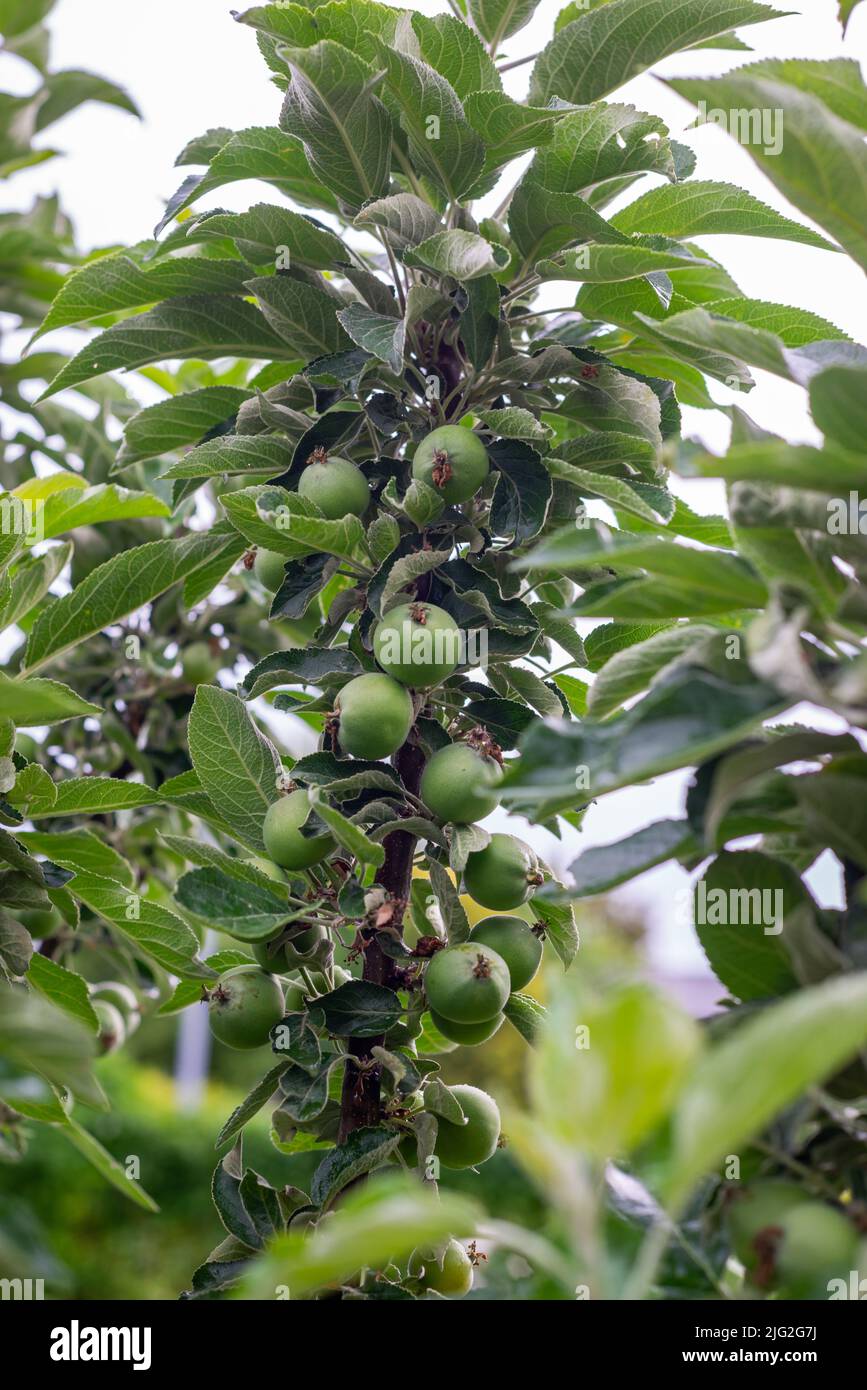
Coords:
527,1015
234,453
604,141
201,326
820,166
838,405
743,906
702,207
604,867
38,701
238,768
110,284
676,725
80,850
364,1150
151,928
452,154
344,128
408,220
541,220
607,46
97,796
497,20
304,1095
358,1009
350,836
760,1068
303,315
32,579
64,988
300,666
618,493
451,908
508,128
16,946
106,1165
183,419
37,1038
380,334
630,671
295,1038
558,919
261,152
374,1224
243,910
112,591
463,255
453,50
265,232
90,506
593,264
251,1105
64,91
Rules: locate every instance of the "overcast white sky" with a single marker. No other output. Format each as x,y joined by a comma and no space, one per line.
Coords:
190,66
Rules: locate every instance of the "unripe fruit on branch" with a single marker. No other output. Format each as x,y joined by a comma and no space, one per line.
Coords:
269,568
459,784
503,875
299,948
453,461
448,1272
418,644
517,943
244,1006
199,664
375,716
335,484
468,983
467,1034
818,1243
124,1000
282,832
467,1145
754,1217
112,1029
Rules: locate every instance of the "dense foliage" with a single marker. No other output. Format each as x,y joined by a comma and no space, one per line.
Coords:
369,498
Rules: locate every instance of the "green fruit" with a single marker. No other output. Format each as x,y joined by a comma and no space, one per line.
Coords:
269,569
468,1034
244,1006
299,948
198,664
458,784
453,461
124,1000
26,747
296,998
285,841
112,1029
270,956
756,1212
502,876
818,1243
418,644
375,716
40,922
465,1146
517,943
467,983
336,486
448,1272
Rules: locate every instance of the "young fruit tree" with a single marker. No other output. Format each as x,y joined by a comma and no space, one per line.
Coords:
385,487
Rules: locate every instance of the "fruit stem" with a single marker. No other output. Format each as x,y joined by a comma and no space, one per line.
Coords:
360,1100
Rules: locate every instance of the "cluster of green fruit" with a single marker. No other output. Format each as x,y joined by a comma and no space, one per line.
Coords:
118,1010
789,1243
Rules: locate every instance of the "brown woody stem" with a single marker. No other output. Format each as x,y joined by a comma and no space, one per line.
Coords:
360,1101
